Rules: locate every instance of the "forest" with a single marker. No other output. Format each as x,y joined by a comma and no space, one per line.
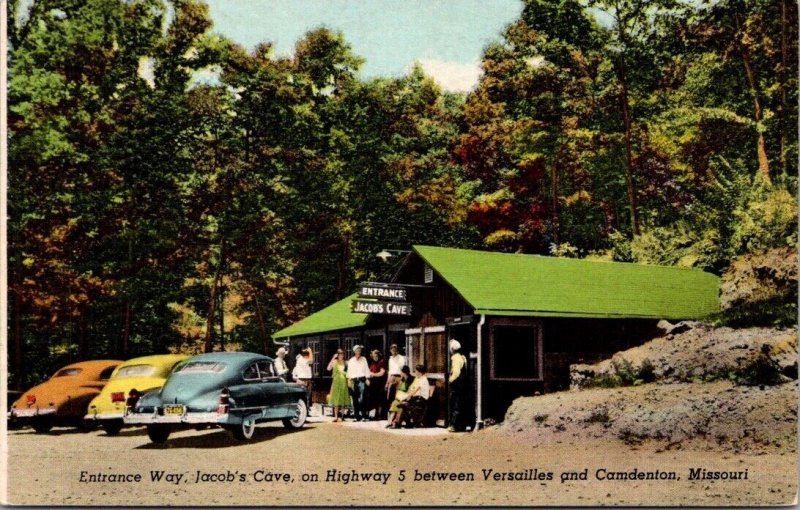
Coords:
151,210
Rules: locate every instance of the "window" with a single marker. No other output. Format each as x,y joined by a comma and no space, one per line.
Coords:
265,370
136,371
201,367
314,345
251,373
347,345
106,373
428,274
68,372
516,351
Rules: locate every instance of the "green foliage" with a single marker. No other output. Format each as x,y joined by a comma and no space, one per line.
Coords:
605,381
151,209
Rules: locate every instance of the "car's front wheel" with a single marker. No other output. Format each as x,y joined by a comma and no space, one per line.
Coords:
299,418
112,427
245,430
158,433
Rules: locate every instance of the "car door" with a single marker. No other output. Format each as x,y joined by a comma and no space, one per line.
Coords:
248,395
274,391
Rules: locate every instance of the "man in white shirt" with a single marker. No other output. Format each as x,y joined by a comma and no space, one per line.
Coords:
280,363
396,363
358,379
303,374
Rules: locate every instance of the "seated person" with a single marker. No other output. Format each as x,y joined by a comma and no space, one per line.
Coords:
404,382
416,397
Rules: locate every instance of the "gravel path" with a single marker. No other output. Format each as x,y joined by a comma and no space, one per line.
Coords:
500,469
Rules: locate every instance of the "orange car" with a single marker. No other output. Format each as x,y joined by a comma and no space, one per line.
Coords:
63,399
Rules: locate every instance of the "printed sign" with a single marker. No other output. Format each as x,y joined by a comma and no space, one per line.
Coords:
382,291
381,307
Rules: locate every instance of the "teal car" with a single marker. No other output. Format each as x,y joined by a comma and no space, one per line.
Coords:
232,390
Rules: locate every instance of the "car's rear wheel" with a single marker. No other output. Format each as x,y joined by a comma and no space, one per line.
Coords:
42,426
299,418
112,427
245,430
158,433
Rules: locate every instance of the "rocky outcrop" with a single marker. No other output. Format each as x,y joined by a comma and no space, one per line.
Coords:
690,352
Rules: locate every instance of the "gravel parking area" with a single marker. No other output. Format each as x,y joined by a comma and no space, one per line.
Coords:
364,464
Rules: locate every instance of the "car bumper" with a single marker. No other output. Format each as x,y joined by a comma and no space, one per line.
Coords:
31,413
188,418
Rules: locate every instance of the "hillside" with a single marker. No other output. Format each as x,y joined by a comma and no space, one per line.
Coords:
695,399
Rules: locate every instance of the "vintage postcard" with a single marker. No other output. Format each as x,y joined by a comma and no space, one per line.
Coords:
309,253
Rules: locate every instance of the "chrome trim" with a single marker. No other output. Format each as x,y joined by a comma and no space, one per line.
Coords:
145,419
28,413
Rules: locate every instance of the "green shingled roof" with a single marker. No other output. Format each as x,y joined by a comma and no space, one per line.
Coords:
537,286
332,318
513,284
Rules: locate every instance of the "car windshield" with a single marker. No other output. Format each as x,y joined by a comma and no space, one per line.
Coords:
67,372
136,371
197,367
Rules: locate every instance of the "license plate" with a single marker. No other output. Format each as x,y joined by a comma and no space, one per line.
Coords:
173,410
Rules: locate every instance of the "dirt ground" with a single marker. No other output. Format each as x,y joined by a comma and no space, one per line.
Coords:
497,468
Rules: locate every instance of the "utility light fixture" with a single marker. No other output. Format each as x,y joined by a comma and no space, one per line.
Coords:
385,254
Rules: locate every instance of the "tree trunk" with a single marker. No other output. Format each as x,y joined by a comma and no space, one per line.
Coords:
342,282
784,100
221,307
19,367
82,347
626,117
763,161
262,328
554,198
212,300
126,330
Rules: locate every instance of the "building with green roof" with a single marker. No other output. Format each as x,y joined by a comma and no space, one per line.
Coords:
521,320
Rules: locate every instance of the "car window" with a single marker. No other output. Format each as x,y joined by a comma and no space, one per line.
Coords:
68,372
106,373
201,367
251,373
266,369
136,371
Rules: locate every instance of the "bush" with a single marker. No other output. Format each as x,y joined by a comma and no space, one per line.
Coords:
599,415
760,369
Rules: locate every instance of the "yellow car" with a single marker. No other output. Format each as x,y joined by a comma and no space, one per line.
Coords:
131,379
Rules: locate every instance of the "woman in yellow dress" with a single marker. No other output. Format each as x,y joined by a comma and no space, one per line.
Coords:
340,394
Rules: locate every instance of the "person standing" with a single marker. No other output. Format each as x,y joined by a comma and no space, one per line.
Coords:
377,388
458,388
303,374
281,369
358,379
340,395
396,362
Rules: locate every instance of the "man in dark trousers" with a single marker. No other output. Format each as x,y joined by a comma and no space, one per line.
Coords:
459,388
